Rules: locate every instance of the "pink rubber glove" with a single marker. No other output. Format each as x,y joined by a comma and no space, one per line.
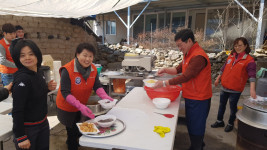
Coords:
102,94
76,103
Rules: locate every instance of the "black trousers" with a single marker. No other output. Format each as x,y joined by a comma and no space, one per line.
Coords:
69,119
73,135
233,100
38,136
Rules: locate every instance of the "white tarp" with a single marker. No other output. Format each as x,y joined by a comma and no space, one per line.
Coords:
62,8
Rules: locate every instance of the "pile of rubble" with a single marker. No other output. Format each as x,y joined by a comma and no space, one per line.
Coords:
111,56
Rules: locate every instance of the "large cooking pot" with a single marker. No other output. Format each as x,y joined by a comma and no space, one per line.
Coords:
254,113
252,126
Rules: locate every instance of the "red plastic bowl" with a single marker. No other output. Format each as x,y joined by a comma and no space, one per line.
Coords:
171,92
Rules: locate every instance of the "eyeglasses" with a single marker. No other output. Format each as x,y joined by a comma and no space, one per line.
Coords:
180,44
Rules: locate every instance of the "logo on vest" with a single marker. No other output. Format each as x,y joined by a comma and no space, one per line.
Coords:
228,61
78,80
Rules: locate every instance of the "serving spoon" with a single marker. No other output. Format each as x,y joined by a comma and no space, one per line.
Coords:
166,115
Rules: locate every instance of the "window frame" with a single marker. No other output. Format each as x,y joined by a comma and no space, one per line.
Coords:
110,28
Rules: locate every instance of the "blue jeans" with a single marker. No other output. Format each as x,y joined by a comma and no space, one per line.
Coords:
233,100
6,78
196,112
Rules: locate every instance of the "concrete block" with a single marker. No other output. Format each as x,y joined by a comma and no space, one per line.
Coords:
38,19
32,35
7,17
28,19
43,35
14,22
61,50
42,24
62,46
34,24
18,18
50,25
24,24
42,29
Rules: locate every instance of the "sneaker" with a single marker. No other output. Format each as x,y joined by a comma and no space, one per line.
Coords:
218,124
228,128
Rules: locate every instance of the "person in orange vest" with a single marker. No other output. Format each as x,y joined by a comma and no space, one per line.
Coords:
7,65
196,85
238,68
78,78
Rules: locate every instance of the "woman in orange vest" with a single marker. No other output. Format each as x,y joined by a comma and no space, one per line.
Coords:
78,78
238,68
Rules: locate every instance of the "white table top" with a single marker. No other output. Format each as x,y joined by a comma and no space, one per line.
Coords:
6,121
5,126
9,99
136,111
5,107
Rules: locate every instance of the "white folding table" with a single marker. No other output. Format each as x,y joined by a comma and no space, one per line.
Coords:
5,128
5,108
136,110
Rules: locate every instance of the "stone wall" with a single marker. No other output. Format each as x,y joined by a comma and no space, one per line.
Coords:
54,36
111,56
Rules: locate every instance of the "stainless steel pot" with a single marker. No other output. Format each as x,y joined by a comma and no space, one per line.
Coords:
254,114
95,107
252,126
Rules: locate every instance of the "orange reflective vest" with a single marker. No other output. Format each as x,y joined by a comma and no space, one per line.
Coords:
80,88
5,69
235,75
199,87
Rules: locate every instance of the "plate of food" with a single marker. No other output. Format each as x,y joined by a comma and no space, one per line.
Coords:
117,127
87,128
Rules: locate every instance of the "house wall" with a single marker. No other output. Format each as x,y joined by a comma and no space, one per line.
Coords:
121,31
228,32
66,36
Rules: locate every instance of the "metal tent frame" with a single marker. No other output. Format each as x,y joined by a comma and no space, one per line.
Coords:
129,25
258,20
